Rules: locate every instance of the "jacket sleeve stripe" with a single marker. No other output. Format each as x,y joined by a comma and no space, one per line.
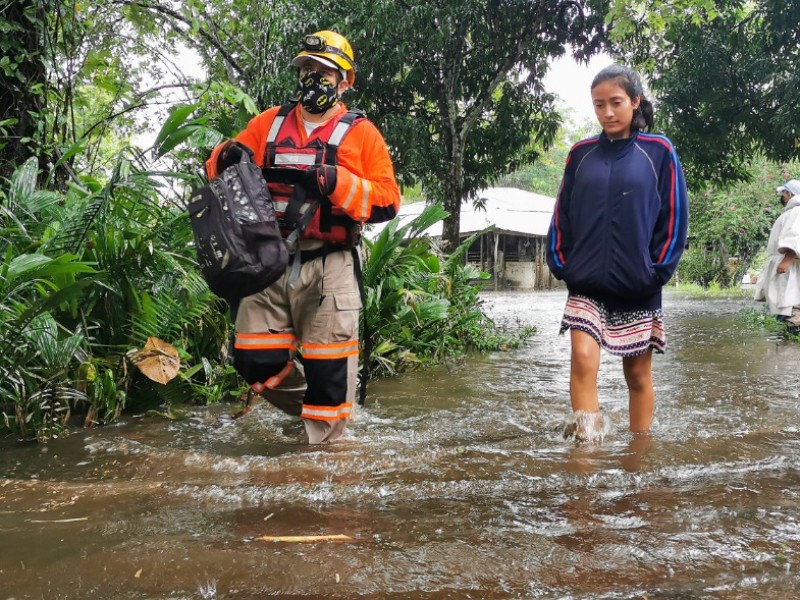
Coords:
556,244
350,193
669,244
367,189
556,248
558,256
680,204
355,204
675,200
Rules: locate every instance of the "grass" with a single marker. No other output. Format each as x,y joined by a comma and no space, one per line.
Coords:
755,317
759,318
714,290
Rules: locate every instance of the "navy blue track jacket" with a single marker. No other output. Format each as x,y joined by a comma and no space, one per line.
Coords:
620,220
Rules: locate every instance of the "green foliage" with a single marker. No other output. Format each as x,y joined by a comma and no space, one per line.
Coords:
726,79
422,307
85,278
68,73
713,290
456,86
730,226
654,17
22,80
701,266
36,353
760,318
544,176
69,320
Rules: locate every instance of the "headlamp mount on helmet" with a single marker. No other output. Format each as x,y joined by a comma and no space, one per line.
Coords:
317,44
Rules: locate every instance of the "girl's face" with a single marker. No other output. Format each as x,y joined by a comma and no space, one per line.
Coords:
614,108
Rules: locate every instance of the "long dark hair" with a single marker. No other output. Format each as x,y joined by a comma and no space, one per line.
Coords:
629,80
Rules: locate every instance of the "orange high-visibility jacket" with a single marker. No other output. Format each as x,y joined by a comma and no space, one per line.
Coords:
366,189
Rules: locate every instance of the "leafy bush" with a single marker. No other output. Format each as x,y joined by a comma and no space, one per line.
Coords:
87,276
423,308
729,227
760,318
700,267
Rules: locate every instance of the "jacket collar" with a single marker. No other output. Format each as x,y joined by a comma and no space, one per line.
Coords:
617,145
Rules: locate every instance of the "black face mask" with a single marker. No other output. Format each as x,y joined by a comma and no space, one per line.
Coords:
316,93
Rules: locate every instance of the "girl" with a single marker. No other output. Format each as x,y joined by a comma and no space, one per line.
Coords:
617,233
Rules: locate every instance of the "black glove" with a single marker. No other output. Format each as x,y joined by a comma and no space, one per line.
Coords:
320,180
232,154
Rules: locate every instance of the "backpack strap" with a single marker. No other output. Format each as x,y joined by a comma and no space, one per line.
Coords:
293,240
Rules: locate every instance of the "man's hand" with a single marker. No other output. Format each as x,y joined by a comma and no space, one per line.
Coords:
320,180
783,266
788,257
232,154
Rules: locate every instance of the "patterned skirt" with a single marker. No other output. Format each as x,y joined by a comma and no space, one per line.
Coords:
620,332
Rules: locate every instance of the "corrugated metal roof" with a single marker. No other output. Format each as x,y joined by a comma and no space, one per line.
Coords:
509,210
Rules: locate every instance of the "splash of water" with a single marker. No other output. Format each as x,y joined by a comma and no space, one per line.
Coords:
208,591
587,427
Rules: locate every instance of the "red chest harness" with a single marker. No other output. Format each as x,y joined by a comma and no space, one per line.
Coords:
285,160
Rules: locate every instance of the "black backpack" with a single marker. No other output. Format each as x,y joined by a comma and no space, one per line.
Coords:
239,245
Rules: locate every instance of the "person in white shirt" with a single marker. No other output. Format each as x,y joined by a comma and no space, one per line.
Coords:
779,282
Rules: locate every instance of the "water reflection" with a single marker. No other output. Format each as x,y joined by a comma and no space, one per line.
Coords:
451,483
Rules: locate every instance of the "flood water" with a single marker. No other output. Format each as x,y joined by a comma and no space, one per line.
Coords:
452,483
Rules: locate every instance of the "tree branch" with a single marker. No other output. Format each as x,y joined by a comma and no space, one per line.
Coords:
179,17
113,116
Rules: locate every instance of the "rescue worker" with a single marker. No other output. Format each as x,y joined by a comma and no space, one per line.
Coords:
297,341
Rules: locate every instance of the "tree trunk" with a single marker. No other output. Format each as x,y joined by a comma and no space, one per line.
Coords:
451,226
453,188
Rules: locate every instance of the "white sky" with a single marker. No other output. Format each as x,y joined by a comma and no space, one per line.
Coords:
570,81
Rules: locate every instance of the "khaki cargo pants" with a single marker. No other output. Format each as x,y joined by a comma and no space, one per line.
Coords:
297,343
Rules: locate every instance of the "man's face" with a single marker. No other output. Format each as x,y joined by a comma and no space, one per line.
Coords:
327,72
786,195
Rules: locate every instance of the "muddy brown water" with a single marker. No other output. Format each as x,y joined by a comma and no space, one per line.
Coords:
452,483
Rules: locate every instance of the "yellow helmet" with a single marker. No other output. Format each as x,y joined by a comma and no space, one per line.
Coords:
332,50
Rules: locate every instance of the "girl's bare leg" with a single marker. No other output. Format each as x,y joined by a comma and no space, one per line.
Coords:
584,365
641,395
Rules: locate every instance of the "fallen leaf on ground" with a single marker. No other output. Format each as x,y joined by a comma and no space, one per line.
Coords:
157,361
